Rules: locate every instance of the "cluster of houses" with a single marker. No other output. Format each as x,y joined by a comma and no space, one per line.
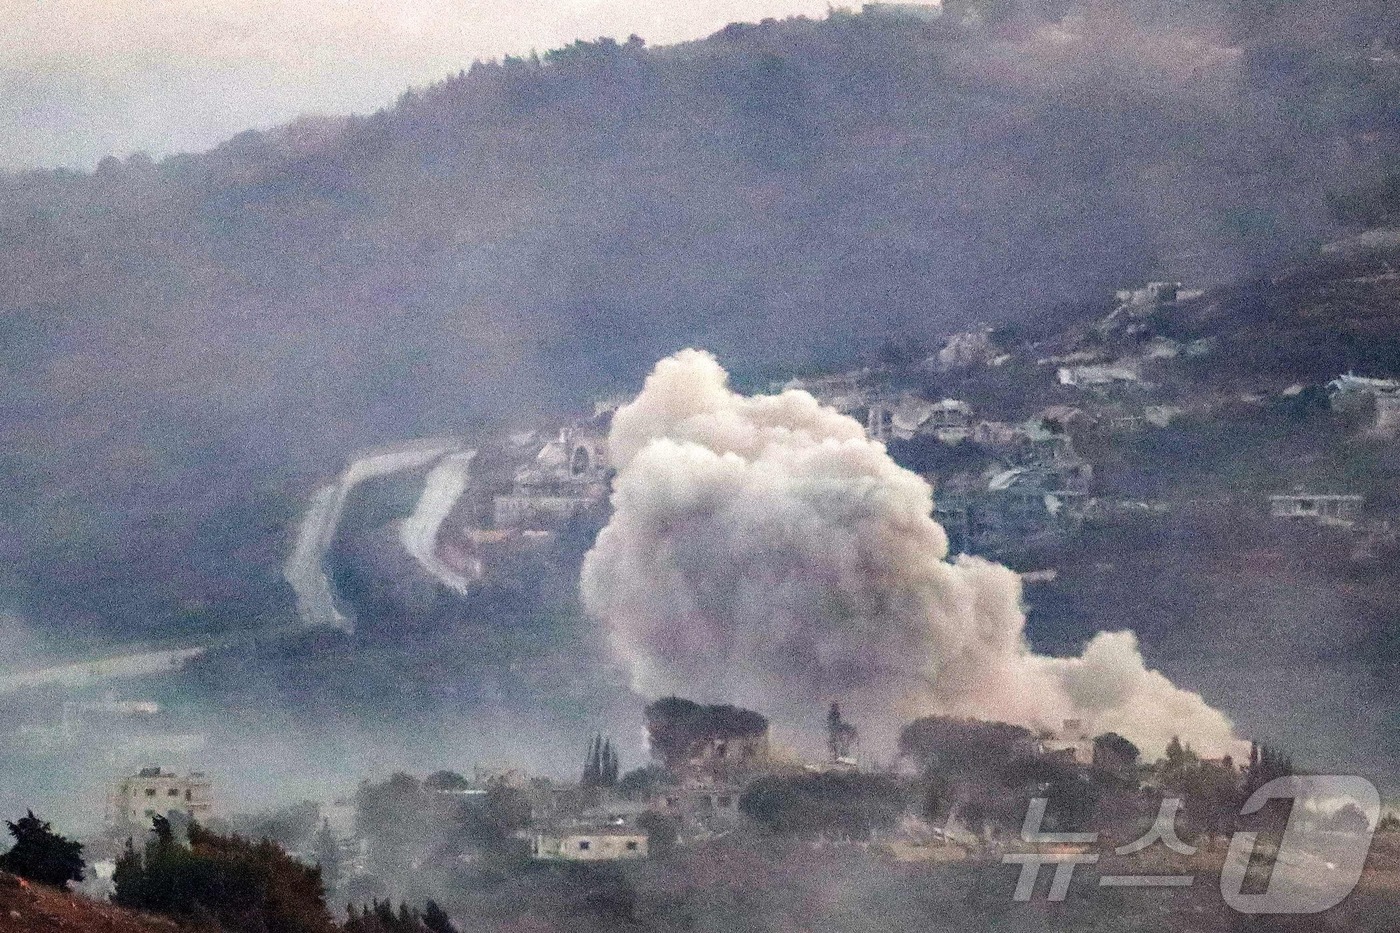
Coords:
1038,485
705,758
553,480
1035,484
566,477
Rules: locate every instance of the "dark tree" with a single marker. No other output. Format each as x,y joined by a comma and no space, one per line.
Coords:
601,767
241,886
1115,755
662,831
1349,819
610,765
641,783
967,748
1178,755
42,855
837,805
840,735
436,919
593,763
676,727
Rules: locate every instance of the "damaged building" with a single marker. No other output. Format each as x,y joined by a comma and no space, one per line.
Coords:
568,477
908,417
1016,505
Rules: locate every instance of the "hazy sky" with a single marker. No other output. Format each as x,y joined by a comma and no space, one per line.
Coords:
80,79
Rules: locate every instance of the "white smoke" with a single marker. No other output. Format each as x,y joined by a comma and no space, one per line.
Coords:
763,551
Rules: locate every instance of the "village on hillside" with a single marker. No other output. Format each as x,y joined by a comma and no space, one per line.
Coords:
1028,441
959,790
1020,460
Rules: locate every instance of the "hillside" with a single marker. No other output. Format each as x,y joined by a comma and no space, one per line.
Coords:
189,345
29,908
1209,405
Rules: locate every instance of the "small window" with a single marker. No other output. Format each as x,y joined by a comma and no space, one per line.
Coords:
189,795
150,792
631,847
584,845
726,801
172,793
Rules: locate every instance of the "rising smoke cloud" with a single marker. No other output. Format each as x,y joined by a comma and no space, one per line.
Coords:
763,551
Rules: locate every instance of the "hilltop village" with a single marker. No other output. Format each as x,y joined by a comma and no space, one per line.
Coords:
957,791
1044,446
616,847
1163,415
1024,440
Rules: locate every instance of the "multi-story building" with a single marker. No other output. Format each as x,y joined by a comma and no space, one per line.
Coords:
153,792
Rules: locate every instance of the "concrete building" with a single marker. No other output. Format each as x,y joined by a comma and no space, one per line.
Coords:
153,792
1149,295
701,803
1322,508
588,844
568,476
843,391
537,509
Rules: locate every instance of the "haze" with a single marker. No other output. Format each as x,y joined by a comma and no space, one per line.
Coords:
83,79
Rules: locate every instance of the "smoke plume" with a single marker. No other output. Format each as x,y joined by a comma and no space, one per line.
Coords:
763,551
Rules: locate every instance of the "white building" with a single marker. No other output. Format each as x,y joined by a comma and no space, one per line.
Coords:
568,477
1350,392
153,792
592,844
1387,415
1322,508
1101,374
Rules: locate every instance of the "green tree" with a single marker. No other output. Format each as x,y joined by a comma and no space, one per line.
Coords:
238,885
834,804
601,766
593,763
610,765
965,748
662,831
840,735
42,855
1115,755
641,783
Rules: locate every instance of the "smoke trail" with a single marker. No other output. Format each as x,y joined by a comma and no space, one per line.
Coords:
764,551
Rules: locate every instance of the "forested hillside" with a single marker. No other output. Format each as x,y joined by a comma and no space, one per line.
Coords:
186,345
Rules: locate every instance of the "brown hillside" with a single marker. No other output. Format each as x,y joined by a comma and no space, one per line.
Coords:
29,908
